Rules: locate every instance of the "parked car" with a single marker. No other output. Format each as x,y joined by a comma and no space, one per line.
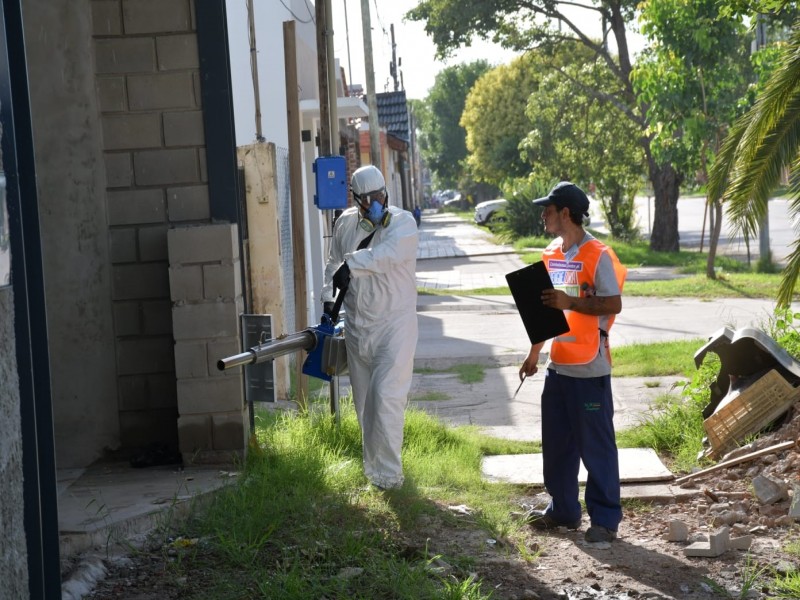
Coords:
490,210
440,197
455,203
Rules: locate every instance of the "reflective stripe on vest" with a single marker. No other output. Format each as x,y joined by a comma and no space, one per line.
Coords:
582,343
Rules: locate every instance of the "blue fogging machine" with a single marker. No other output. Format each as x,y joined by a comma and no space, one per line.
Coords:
327,356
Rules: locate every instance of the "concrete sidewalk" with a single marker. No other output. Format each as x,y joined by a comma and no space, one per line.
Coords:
491,405
455,254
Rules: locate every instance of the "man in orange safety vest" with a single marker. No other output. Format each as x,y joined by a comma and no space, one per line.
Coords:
577,404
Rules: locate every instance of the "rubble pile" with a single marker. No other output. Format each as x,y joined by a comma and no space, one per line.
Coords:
743,500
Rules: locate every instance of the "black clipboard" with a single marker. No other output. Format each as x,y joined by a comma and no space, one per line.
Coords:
541,322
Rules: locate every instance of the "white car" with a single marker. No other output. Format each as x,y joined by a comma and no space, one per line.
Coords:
488,210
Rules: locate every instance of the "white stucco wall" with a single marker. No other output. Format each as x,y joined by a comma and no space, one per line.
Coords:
269,18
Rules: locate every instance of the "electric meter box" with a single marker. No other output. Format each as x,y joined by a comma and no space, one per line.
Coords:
331,179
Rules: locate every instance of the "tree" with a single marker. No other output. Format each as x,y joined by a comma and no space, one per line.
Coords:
495,122
442,139
525,24
764,142
576,137
692,78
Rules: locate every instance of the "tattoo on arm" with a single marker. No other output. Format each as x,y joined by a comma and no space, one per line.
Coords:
593,305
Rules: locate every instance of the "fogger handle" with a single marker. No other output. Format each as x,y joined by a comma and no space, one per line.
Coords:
337,306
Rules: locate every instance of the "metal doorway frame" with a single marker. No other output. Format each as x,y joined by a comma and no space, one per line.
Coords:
30,320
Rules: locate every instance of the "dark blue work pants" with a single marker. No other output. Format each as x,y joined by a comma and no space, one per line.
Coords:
577,424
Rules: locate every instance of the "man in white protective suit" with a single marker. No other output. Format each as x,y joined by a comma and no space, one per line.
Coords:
373,256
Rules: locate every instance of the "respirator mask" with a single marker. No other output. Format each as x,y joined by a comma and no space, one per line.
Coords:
373,210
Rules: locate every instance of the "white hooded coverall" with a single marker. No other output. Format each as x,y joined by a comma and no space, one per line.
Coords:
380,323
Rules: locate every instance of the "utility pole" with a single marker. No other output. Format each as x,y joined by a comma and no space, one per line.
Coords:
322,76
372,101
764,252
329,142
296,207
254,67
333,92
393,64
349,62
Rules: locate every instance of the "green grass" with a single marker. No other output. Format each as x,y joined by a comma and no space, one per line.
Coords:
467,372
674,429
787,585
302,522
430,397
659,359
730,285
639,254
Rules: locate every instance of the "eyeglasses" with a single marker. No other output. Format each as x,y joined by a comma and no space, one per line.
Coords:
368,197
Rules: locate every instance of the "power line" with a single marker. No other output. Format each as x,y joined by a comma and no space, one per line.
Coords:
310,14
378,16
298,19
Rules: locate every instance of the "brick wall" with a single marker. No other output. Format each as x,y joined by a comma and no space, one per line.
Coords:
148,89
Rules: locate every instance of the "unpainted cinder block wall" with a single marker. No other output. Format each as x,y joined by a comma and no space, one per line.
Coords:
148,89
207,300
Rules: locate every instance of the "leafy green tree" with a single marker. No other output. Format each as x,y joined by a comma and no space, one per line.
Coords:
495,122
528,24
575,136
692,78
764,142
442,139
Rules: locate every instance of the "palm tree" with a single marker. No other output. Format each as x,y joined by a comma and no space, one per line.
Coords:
762,143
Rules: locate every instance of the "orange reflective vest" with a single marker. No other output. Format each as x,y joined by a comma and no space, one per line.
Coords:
581,344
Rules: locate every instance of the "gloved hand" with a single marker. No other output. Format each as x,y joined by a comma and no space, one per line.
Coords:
327,308
341,278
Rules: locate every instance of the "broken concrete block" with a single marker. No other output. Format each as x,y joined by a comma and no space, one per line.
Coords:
720,540
769,491
700,549
741,543
794,508
739,529
717,544
728,517
678,531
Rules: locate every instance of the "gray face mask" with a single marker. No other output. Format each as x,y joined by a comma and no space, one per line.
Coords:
376,213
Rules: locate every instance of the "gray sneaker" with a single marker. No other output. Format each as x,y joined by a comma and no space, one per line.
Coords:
598,533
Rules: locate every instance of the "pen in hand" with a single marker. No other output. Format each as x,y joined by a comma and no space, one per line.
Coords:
522,380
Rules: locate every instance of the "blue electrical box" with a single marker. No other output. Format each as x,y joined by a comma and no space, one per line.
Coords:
331,179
